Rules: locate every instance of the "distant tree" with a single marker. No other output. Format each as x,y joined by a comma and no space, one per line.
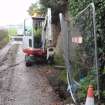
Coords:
36,8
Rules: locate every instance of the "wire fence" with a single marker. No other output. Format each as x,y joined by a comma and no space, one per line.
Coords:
80,52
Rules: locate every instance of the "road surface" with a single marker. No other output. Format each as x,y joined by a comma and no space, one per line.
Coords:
20,85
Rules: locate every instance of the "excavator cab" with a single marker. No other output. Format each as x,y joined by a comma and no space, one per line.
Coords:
36,40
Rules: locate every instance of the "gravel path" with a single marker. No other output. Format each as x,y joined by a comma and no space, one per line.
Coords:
20,85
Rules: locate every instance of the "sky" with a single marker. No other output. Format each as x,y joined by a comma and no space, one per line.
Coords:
14,11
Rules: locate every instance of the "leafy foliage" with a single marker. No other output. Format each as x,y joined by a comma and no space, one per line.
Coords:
36,8
3,34
3,37
76,6
12,32
89,79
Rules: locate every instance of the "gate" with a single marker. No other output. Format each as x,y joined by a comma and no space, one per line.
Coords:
80,52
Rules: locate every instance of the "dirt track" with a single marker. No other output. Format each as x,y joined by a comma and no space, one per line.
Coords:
20,85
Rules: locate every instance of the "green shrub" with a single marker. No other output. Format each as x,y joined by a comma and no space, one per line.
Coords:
4,39
63,76
89,79
59,60
12,32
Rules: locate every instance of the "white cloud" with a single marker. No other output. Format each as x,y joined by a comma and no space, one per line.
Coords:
13,11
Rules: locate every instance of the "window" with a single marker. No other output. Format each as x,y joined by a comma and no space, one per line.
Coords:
30,42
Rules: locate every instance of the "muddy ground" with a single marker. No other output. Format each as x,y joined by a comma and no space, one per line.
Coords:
20,85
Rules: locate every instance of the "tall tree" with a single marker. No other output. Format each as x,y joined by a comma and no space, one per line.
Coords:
36,8
57,6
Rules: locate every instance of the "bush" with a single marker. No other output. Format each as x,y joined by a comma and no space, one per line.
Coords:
59,60
89,79
4,39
